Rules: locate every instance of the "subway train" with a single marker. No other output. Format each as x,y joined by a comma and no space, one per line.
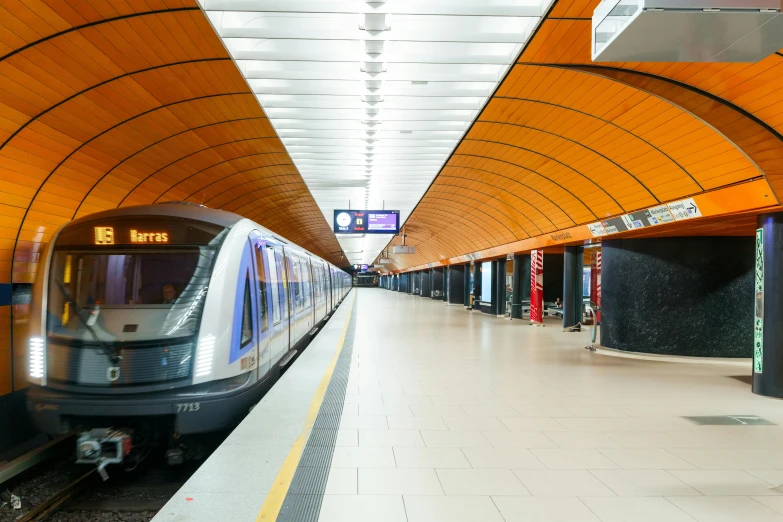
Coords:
153,324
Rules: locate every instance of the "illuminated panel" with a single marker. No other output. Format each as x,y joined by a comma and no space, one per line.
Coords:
148,237
104,235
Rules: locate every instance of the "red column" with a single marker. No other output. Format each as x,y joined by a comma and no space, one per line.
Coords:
536,286
595,281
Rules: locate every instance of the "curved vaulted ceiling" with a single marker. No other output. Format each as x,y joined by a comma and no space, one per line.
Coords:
111,104
114,103
371,96
565,142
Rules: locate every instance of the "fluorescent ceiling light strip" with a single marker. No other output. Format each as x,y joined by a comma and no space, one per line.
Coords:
371,98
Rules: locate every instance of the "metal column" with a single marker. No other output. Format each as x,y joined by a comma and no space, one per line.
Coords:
572,285
768,309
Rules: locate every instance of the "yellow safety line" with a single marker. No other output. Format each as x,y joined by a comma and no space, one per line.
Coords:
274,500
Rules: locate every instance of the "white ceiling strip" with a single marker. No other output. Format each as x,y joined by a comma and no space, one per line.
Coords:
370,98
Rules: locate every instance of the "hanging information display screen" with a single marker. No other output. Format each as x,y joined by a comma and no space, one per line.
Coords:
366,221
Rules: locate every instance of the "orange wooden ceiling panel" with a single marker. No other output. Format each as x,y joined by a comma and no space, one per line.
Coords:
112,103
638,138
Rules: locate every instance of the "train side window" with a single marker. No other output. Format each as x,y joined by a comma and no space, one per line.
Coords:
306,288
296,284
273,284
262,305
317,283
247,317
282,282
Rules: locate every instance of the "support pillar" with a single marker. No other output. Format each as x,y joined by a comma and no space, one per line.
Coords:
595,283
426,283
436,283
768,307
477,285
537,286
466,286
520,284
572,285
499,286
445,295
456,282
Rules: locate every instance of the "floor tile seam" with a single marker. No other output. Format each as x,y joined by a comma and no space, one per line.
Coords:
602,452
492,499
524,487
699,493
465,456
755,499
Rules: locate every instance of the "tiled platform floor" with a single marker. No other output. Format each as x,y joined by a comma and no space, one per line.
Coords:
461,417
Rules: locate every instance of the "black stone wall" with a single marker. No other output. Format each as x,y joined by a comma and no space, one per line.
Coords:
553,277
678,296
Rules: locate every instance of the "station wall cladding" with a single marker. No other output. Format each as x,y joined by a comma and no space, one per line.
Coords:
678,296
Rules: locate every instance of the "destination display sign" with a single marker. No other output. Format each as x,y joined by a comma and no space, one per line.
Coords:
366,221
139,231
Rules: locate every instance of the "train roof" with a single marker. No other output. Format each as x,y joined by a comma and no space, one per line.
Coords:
170,209
185,210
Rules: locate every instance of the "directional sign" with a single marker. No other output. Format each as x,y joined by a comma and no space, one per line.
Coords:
633,221
658,215
615,225
684,209
597,229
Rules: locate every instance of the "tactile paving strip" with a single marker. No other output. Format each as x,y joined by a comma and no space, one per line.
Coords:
303,500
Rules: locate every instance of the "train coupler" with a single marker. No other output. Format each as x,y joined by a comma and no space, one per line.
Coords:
101,447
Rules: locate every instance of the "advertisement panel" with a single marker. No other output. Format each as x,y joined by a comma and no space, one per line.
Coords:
536,286
758,326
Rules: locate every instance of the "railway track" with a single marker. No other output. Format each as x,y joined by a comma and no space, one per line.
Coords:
51,505
91,498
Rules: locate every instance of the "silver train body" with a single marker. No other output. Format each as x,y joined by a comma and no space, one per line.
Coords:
169,319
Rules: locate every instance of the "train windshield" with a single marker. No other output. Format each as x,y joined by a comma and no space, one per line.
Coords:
117,293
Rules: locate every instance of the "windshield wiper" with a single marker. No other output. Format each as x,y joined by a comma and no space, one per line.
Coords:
107,350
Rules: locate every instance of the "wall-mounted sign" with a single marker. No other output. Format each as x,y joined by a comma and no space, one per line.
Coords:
678,210
597,229
366,221
614,225
658,215
685,209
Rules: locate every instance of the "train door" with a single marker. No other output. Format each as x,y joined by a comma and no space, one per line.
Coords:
329,287
308,310
263,298
279,343
293,300
283,286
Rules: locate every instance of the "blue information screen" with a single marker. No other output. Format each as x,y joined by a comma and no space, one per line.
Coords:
366,221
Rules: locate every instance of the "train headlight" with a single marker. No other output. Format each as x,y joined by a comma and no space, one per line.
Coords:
204,353
37,359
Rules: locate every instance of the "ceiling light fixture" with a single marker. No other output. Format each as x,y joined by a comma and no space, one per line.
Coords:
374,22
373,67
373,85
